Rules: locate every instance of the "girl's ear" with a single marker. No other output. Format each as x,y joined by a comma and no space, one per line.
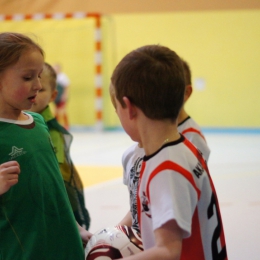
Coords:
54,95
132,111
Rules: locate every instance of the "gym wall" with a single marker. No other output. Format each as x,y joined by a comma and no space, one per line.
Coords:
222,48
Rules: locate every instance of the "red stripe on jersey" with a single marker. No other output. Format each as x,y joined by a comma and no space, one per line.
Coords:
193,130
192,247
169,165
194,150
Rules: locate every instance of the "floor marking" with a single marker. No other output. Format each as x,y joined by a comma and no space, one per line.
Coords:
93,175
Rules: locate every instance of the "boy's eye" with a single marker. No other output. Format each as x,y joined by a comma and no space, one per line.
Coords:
27,78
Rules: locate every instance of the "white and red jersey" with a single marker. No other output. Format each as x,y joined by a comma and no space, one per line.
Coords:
192,131
175,184
132,161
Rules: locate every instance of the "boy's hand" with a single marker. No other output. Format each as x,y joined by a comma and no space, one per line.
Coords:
9,173
84,234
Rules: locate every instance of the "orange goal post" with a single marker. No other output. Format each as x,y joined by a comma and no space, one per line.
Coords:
97,49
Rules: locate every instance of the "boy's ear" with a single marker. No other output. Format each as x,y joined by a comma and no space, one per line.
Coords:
188,92
130,107
54,95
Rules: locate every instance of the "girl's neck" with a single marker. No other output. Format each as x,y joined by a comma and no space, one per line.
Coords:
21,116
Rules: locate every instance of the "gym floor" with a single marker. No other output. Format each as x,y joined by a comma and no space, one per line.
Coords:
234,164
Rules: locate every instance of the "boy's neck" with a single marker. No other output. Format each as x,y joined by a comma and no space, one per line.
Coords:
182,116
155,133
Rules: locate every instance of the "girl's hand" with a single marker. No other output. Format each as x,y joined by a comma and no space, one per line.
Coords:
9,173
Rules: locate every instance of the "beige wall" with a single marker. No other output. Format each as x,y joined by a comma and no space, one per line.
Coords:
121,6
222,47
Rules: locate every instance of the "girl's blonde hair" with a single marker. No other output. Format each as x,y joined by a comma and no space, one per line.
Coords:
12,46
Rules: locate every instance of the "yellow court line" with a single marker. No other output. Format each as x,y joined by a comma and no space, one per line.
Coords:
92,175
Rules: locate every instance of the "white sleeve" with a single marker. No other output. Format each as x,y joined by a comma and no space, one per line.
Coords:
199,142
125,159
129,160
63,79
169,192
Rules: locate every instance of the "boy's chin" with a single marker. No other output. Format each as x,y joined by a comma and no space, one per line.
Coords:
35,108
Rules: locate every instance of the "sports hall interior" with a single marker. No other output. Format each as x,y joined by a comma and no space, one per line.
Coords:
219,39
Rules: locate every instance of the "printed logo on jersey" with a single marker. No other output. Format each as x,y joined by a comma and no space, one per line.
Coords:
198,171
16,152
145,205
134,180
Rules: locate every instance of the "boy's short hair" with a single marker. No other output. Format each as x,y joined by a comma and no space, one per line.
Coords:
187,72
52,74
152,78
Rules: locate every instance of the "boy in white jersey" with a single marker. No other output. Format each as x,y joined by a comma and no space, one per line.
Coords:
186,125
177,205
132,157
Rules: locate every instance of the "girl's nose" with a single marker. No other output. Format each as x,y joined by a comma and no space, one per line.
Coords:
38,85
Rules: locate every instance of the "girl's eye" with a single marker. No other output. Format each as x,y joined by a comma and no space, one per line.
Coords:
27,78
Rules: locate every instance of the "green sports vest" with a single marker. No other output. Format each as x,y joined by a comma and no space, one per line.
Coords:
36,220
